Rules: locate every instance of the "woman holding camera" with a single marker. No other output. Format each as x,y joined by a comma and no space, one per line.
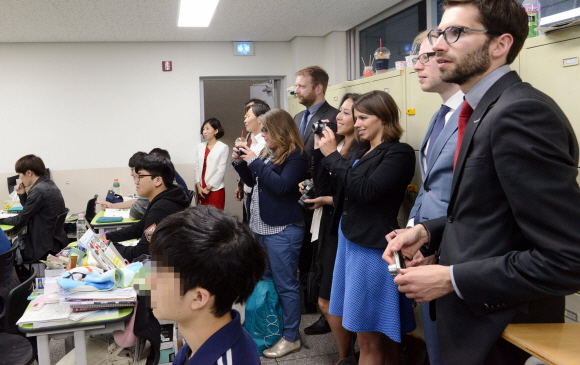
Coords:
370,185
327,239
276,216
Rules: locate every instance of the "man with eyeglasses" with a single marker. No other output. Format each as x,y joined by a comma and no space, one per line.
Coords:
508,246
153,178
436,157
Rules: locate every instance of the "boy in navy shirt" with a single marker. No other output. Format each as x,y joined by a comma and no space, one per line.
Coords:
204,260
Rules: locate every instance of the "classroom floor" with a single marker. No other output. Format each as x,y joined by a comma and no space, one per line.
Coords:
316,350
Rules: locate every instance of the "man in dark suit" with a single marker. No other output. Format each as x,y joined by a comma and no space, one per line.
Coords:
436,157
311,84
508,246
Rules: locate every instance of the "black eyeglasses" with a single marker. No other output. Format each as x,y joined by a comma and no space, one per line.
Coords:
264,130
138,177
423,57
452,34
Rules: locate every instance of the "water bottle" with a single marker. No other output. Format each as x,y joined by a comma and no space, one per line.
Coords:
534,13
81,226
117,187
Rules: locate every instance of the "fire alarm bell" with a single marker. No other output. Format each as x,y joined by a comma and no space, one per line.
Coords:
167,66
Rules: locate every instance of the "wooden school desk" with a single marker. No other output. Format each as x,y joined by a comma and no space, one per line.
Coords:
553,343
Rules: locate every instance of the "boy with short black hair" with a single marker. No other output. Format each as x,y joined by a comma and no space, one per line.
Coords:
204,261
154,180
138,206
178,179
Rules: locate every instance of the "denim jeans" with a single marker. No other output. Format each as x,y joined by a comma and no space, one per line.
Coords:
283,251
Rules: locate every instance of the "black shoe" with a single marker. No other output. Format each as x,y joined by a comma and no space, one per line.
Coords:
319,327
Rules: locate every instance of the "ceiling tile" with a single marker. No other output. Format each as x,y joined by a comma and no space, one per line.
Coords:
156,20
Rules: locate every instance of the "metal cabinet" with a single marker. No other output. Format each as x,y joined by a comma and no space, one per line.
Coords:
294,107
394,84
334,95
421,105
554,69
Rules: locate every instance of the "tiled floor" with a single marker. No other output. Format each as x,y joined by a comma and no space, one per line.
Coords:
316,350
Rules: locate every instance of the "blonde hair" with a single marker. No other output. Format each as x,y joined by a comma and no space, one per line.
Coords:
418,40
283,132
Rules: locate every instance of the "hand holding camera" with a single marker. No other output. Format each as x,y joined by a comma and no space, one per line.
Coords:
324,135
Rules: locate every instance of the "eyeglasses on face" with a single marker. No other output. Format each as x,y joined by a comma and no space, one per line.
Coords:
138,177
452,34
264,130
423,57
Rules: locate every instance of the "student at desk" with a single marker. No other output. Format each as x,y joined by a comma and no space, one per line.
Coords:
42,203
154,180
138,206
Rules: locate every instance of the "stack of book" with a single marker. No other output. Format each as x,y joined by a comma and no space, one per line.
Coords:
94,300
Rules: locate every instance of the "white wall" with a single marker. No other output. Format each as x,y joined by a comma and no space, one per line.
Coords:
111,99
92,105
328,52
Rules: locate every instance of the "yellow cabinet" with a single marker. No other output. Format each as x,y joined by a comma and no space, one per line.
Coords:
359,87
425,105
334,95
394,84
294,107
554,69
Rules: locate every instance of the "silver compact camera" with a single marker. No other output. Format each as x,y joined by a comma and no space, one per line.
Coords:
395,269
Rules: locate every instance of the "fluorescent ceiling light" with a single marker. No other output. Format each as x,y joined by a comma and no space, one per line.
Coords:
196,13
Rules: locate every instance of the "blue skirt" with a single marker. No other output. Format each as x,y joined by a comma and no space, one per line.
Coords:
364,294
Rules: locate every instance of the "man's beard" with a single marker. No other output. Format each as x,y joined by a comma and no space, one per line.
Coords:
473,64
308,100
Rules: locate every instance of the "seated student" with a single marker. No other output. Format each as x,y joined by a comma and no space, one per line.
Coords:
153,177
178,179
204,261
138,206
42,203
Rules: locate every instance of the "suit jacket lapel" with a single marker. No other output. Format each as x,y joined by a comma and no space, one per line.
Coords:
488,100
446,133
422,148
315,118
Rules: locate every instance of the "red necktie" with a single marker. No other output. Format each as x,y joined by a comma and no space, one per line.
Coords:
249,140
464,115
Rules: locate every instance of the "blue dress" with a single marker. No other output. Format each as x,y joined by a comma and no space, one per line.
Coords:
364,294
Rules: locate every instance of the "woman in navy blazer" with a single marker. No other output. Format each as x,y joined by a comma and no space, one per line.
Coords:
371,185
275,215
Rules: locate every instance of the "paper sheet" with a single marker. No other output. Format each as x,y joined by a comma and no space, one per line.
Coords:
48,312
123,213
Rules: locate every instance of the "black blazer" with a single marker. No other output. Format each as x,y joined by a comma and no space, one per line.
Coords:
371,192
278,187
326,111
511,229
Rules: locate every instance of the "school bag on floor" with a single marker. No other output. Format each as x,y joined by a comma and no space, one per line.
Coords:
264,316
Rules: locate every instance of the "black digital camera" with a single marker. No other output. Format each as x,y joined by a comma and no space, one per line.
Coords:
318,127
308,194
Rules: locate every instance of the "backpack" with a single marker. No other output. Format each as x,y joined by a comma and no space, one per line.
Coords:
263,318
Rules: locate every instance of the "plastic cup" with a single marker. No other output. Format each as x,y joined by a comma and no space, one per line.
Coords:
368,72
382,56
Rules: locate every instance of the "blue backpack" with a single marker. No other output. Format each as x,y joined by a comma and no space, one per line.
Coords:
264,316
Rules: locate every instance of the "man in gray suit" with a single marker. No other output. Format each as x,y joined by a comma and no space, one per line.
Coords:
436,160
311,83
